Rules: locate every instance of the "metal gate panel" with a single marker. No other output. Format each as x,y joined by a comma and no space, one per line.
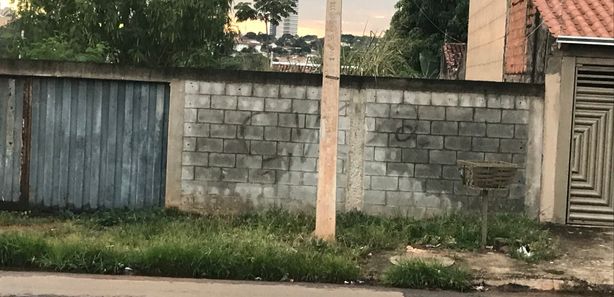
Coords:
98,143
591,187
11,125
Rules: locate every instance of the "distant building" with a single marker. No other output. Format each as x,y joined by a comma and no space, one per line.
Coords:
4,20
287,26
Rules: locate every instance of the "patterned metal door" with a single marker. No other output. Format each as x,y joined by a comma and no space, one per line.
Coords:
591,192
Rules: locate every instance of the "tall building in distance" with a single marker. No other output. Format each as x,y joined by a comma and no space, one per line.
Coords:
288,25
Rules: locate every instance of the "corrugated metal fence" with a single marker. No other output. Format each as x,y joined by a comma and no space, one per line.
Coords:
11,109
92,144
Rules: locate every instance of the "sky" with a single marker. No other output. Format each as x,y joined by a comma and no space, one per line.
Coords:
359,16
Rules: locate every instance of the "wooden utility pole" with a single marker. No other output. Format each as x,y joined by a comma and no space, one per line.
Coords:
329,109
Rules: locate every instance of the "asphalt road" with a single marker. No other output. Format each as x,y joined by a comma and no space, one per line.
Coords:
69,285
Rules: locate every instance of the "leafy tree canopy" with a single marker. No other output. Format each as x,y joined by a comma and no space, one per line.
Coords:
424,25
267,11
149,32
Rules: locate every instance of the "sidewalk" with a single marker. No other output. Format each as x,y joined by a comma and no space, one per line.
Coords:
68,285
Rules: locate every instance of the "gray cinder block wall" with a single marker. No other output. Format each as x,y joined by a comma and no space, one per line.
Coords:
250,145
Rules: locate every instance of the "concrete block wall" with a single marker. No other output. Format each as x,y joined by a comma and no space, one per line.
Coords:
251,145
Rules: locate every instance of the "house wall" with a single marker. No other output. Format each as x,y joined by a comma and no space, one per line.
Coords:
486,39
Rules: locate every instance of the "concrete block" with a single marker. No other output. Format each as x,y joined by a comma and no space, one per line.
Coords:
498,157
303,164
417,127
306,194
482,144
263,147
375,197
501,101
234,175
474,156
378,110
249,161
311,149
400,169
191,87
264,119
266,90
224,131
521,132
262,176
210,116
221,160
389,96
523,103
190,115
513,146
442,157
224,102
312,121
277,134
197,101
487,115
344,123
275,162
314,93
457,143
412,184
250,191
290,149
369,154
278,105
461,189
388,154
399,199
472,100
431,113
346,94
439,186
209,174
194,159
311,179
187,173
402,140
370,124
306,106
289,178
415,156
500,131
375,168
210,145
385,183
189,144
251,133
428,170
236,146
196,130
417,98
237,117
515,116
369,95
461,114
306,136
444,128
239,89
251,104
451,172
472,129
389,125
445,99
293,92
520,159
430,142
276,192
376,139
212,88
292,120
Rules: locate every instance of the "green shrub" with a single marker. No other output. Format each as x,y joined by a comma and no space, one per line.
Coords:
21,250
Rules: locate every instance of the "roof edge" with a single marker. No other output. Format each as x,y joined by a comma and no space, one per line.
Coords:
604,41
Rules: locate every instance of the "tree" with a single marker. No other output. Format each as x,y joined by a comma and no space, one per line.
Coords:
267,11
424,25
149,32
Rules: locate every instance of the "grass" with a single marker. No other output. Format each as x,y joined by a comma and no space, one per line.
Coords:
274,245
423,275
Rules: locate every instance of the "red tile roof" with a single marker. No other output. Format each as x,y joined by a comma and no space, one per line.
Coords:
579,18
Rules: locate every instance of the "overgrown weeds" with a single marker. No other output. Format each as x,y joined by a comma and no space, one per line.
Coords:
274,245
425,275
